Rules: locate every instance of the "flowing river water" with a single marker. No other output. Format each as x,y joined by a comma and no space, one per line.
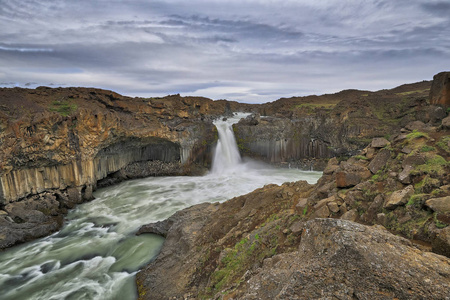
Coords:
96,254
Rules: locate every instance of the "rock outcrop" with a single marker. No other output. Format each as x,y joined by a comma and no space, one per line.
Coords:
440,89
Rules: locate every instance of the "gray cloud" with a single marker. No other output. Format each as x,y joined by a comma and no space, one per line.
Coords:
247,50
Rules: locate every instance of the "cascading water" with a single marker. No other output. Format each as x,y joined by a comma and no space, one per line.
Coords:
226,157
96,254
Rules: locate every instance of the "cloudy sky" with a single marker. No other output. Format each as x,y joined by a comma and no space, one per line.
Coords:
245,50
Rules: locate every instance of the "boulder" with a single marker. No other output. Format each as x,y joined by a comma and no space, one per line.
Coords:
322,212
333,207
379,161
351,215
403,176
399,198
439,205
441,242
345,179
446,123
416,125
302,203
379,142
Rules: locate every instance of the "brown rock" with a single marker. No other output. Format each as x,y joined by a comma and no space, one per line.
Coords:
370,153
404,177
416,125
446,123
345,179
302,203
379,142
400,137
440,205
441,242
382,219
333,207
351,215
322,212
324,202
400,197
332,165
440,89
379,161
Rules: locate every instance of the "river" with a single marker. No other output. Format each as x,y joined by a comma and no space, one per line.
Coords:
96,254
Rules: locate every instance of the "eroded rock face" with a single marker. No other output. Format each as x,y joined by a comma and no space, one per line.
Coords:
440,89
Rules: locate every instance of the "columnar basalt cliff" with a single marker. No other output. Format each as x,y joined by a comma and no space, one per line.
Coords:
58,145
307,131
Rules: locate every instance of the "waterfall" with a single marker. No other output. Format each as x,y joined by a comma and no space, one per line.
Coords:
226,157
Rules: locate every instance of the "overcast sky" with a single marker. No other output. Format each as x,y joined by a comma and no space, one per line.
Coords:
245,50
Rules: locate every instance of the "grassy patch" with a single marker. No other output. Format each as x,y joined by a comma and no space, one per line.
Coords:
434,165
311,107
64,108
438,223
443,143
239,259
427,148
412,92
416,134
426,185
362,157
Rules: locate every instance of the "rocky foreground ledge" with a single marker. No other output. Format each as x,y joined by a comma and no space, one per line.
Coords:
375,226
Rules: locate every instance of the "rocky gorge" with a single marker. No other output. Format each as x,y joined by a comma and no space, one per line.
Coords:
375,226
59,145
385,159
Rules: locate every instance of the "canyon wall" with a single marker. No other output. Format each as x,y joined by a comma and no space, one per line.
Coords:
58,145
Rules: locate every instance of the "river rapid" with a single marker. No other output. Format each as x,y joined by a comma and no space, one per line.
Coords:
96,254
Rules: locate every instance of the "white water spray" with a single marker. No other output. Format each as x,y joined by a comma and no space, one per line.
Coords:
226,157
